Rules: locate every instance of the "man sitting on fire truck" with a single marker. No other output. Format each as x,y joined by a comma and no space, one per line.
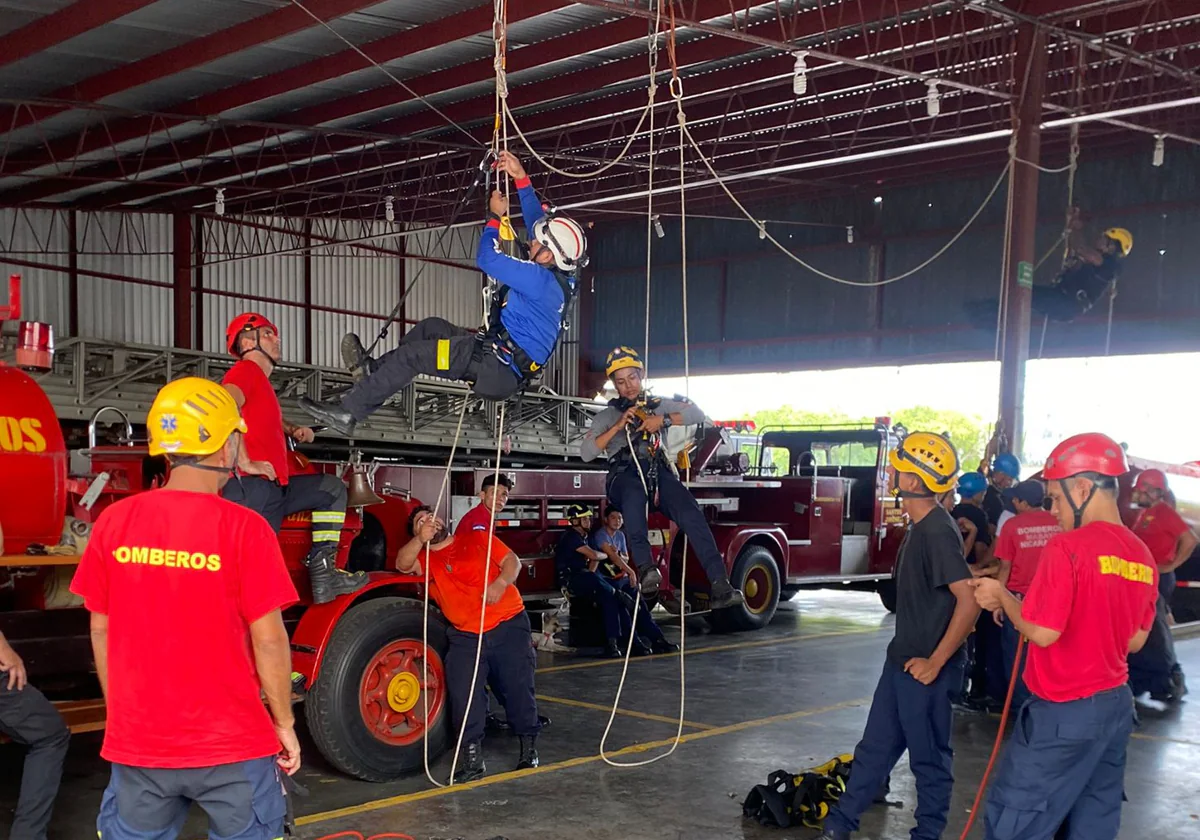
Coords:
265,485
644,478
523,329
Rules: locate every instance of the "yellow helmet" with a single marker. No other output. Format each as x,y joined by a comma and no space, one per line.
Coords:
1123,238
930,457
620,358
192,416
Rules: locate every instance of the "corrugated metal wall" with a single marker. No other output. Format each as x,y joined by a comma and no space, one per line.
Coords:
356,281
235,282
132,245
442,291
37,236
754,308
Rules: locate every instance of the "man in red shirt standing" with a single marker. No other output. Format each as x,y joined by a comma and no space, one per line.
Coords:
493,496
1090,603
458,574
180,581
1019,548
265,485
1156,668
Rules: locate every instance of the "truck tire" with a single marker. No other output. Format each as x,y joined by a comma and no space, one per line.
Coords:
887,593
366,712
756,573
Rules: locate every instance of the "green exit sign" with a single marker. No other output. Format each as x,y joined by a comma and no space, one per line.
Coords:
1025,275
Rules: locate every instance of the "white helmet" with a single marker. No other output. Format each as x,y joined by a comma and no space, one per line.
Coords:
565,239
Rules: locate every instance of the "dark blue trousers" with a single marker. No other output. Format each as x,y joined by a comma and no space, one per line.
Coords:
507,663
1151,667
676,501
1009,636
592,587
905,715
647,627
1065,762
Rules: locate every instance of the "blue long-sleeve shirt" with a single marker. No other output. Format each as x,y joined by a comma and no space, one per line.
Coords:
534,309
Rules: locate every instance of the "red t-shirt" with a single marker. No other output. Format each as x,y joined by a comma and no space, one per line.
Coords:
181,576
476,519
457,582
1097,586
1021,543
1159,527
264,438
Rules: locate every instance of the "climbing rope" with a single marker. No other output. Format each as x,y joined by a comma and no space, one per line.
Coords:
677,93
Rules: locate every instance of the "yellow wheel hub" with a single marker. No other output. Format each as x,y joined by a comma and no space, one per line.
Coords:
751,588
403,692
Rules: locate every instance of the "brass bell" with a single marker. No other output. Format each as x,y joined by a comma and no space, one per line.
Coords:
361,493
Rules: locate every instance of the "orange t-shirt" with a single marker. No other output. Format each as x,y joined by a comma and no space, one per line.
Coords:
456,575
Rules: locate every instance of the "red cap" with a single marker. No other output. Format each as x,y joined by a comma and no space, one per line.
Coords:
1151,480
1087,453
243,323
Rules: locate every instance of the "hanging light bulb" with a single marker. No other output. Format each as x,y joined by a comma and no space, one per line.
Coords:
800,80
850,234
933,99
762,230
389,208
220,208
1160,149
658,228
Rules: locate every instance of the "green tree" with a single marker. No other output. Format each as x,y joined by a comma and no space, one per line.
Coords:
968,433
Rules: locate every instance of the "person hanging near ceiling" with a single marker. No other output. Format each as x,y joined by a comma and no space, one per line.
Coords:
1171,541
644,478
1090,604
265,485
1090,272
935,611
527,318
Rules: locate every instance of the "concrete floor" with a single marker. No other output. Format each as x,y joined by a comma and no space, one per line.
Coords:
790,696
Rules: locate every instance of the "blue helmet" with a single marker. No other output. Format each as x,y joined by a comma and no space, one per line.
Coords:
971,484
1008,464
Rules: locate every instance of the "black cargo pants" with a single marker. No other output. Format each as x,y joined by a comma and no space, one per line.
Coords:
434,347
28,718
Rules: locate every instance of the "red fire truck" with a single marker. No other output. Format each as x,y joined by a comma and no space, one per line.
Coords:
816,515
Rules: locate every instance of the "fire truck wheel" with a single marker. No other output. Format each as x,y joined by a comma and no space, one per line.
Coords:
887,593
757,574
366,711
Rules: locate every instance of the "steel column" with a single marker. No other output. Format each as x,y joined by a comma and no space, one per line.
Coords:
308,312
181,260
1030,71
72,273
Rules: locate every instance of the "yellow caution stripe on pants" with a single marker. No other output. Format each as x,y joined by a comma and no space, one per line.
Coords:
327,525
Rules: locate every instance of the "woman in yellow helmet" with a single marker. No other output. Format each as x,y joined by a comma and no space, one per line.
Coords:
1090,272
935,611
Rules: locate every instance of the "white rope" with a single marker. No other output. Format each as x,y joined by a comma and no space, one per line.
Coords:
677,93
765,234
650,229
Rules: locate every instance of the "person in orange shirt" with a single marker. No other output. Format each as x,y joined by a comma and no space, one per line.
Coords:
459,569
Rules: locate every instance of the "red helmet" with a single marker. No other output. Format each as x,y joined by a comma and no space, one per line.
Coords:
245,322
1087,453
1151,480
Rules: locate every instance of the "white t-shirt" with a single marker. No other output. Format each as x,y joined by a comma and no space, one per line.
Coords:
1004,517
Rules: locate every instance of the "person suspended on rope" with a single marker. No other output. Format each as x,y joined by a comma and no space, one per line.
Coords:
1090,272
265,485
645,478
1090,604
458,574
527,318
935,611
1171,541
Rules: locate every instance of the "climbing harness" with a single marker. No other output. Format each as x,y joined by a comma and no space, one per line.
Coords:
804,798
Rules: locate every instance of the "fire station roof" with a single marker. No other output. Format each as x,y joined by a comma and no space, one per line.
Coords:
154,104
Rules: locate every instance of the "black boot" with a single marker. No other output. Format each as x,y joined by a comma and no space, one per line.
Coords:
529,755
327,580
640,648
495,725
329,414
612,650
724,595
650,580
470,764
355,357
664,646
